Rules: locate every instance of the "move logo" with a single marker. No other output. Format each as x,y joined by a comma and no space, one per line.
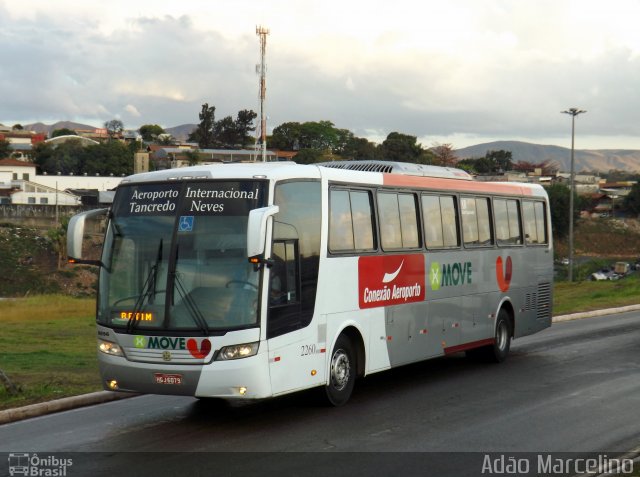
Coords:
390,280
171,343
504,273
450,274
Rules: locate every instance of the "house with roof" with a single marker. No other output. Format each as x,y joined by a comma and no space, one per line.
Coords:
21,185
21,142
169,157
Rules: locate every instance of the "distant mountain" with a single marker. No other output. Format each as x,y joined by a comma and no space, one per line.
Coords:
585,160
48,129
181,133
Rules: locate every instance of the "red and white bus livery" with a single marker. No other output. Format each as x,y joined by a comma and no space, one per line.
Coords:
252,280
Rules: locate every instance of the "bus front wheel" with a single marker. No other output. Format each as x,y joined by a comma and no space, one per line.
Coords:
342,372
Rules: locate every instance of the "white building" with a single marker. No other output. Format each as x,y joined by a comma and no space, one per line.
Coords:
19,184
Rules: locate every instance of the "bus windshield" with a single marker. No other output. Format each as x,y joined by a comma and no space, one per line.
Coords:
175,257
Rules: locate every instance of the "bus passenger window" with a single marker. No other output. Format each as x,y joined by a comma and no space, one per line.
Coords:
408,220
469,221
340,223
535,222
362,220
432,218
350,221
476,222
440,222
450,231
530,227
507,218
541,229
398,220
389,216
484,222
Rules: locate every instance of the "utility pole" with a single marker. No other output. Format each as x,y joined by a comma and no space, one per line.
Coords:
262,71
573,112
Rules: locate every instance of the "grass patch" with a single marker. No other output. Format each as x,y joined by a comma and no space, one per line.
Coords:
48,348
592,295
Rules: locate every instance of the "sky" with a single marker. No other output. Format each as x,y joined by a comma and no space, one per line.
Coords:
459,72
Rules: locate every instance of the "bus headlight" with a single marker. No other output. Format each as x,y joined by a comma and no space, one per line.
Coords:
107,347
238,351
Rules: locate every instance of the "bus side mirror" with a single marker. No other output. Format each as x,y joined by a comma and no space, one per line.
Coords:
257,231
75,235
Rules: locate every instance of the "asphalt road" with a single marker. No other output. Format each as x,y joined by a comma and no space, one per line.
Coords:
573,388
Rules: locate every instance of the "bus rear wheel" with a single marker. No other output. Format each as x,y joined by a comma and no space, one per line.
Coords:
502,344
342,372
499,350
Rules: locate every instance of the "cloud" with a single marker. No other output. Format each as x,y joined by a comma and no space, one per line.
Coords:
132,110
449,69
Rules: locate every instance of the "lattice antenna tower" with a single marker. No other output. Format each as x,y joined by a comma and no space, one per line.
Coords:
261,69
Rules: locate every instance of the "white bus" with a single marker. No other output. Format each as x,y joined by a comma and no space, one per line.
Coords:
247,281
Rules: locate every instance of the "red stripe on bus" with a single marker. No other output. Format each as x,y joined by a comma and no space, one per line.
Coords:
455,184
467,346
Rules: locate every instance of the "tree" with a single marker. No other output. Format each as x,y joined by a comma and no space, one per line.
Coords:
114,128
493,162
225,135
502,159
113,157
309,156
72,157
166,139
319,135
150,132
444,155
548,167
286,136
17,127
244,126
63,158
5,148
632,200
401,147
192,157
58,238
63,132
559,195
204,134
359,149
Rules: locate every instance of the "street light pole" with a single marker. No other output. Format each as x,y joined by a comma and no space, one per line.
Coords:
573,112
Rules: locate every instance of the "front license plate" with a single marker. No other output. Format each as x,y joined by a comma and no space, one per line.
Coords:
162,378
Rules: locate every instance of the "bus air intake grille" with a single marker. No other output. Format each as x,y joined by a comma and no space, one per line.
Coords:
544,301
404,168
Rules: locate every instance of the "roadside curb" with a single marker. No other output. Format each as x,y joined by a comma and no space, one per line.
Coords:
64,404
594,313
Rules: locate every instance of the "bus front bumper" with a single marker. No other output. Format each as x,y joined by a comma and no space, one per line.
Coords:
246,378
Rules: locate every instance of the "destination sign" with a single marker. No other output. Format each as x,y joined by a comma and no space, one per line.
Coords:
190,198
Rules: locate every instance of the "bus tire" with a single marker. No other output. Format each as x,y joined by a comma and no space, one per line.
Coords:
499,350
342,372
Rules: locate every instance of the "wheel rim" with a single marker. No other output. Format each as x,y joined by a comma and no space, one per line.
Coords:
340,370
502,336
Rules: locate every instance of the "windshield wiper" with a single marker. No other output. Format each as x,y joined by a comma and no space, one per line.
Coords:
190,304
148,290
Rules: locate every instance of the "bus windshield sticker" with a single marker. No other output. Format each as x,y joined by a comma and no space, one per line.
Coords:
186,223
